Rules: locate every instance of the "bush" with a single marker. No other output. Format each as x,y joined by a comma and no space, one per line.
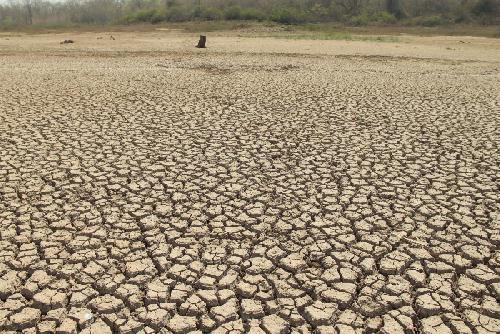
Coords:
207,13
144,15
384,18
232,13
359,20
318,11
288,16
252,14
487,7
151,15
395,8
211,14
378,18
462,14
238,13
427,21
158,16
178,14
487,11
8,22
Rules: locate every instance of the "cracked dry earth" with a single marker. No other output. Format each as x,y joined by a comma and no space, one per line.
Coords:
206,192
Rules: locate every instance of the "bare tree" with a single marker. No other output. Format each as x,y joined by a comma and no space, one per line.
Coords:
351,7
395,8
29,11
26,12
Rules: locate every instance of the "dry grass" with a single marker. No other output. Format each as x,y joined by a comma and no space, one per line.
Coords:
444,30
334,31
336,36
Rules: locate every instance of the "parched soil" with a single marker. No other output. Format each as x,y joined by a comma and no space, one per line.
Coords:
262,185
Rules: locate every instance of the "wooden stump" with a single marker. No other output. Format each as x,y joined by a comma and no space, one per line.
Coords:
202,41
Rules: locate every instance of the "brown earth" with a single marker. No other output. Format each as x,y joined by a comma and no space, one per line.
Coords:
262,185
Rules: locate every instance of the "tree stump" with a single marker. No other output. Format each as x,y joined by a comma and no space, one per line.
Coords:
201,42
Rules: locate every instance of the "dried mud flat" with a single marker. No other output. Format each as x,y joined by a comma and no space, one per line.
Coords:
258,186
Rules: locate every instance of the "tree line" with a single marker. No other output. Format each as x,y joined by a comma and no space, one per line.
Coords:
351,12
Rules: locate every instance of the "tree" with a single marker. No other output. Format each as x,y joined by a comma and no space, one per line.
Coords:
29,11
351,7
395,8
487,7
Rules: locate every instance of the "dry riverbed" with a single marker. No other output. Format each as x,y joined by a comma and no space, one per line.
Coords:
262,185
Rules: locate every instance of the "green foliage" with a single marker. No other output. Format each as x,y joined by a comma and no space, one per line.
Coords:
395,7
487,7
319,11
358,20
238,13
384,18
287,15
178,14
233,13
427,21
145,15
158,15
210,14
379,18
183,14
289,12
487,11
9,23
93,12
252,14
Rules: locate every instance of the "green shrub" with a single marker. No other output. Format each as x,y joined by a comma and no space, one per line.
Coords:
384,18
252,14
427,21
178,14
152,15
432,21
378,18
319,12
207,13
462,14
144,15
233,13
158,16
359,20
395,8
287,16
487,11
487,7
127,19
238,13
8,23
211,14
